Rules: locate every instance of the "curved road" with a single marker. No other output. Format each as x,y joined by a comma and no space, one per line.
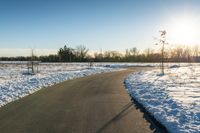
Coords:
93,104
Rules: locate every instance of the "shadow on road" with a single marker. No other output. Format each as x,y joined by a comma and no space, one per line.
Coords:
155,126
125,110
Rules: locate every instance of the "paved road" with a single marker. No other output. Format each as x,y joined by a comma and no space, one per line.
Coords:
93,104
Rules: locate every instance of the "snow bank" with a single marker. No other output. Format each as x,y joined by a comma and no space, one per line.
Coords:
173,99
22,85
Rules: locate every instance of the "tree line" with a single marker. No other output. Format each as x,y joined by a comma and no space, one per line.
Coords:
82,54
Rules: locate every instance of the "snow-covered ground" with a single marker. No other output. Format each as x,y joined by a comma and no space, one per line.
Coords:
173,99
15,83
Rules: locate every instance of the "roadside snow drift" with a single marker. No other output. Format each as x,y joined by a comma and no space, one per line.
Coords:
173,99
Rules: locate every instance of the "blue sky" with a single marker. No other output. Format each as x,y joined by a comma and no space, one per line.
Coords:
97,24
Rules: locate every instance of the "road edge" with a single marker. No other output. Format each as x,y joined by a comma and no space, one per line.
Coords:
147,115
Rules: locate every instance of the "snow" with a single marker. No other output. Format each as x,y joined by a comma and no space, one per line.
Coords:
15,83
173,99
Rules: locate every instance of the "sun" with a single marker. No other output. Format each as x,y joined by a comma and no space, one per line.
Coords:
184,31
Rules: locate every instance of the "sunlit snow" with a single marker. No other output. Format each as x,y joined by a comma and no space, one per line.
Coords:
173,99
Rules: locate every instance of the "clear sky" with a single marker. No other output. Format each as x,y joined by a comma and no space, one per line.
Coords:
97,24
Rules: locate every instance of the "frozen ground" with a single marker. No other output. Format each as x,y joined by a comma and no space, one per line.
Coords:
15,83
173,99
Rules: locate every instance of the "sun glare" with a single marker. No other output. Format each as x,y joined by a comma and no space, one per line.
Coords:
184,31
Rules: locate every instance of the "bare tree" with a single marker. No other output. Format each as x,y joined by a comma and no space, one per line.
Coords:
187,54
134,51
162,42
81,52
149,54
196,52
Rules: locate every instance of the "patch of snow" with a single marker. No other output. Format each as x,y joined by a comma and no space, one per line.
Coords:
173,99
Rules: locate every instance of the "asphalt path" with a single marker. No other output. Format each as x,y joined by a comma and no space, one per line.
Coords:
93,104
